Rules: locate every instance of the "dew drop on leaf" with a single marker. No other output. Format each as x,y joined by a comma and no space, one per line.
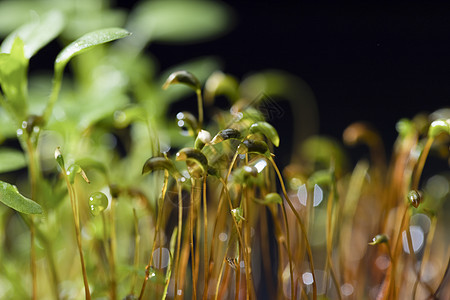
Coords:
98,202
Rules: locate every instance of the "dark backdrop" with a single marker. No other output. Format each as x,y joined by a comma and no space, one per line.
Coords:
369,62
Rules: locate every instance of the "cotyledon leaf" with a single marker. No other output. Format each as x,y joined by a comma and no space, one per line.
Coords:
37,33
10,196
86,42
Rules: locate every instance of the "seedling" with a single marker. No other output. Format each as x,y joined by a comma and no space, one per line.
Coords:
201,215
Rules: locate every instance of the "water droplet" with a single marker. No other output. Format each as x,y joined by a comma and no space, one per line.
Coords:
307,278
437,186
382,262
98,202
19,132
163,255
347,289
417,238
318,195
223,237
421,220
260,165
180,292
302,194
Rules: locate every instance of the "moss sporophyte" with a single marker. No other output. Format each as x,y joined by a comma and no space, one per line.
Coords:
204,203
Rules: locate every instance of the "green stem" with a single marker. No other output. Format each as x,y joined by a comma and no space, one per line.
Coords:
76,217
200,109
57,82
112,224
158,224
180,227
137,239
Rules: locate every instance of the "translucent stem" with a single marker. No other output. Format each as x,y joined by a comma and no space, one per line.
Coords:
180,226
158,224
302,227
76,217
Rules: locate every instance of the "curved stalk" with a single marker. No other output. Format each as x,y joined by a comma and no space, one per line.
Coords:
302,227
158,224
180,227
426,255
205,242
288,247
241,242
76,217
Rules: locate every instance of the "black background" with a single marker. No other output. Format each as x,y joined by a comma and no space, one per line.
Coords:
371,62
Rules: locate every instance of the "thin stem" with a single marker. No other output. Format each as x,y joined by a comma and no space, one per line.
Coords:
112,222
220,276
200,108
191,229
57,81
158,224
421,163
137,239
329,245
288,247
302,227
241,241
33,180
73,201
180,227
426,255
33,259
392,287
205,242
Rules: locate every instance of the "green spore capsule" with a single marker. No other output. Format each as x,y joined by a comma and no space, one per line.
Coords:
73,170
379,239
225,134
267,130
98,202
183,77
195,160
59,157
273,198
253,146
160,163
414,197
238,214
437,127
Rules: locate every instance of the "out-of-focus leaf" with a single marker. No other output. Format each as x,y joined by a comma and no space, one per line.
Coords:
10,196
14,13
13,80
11,160
86,42
36,34
7,128
178,21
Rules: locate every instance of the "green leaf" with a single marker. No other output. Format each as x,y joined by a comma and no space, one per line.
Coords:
10,196
13,78
36,34
178,21
11,160
86,42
